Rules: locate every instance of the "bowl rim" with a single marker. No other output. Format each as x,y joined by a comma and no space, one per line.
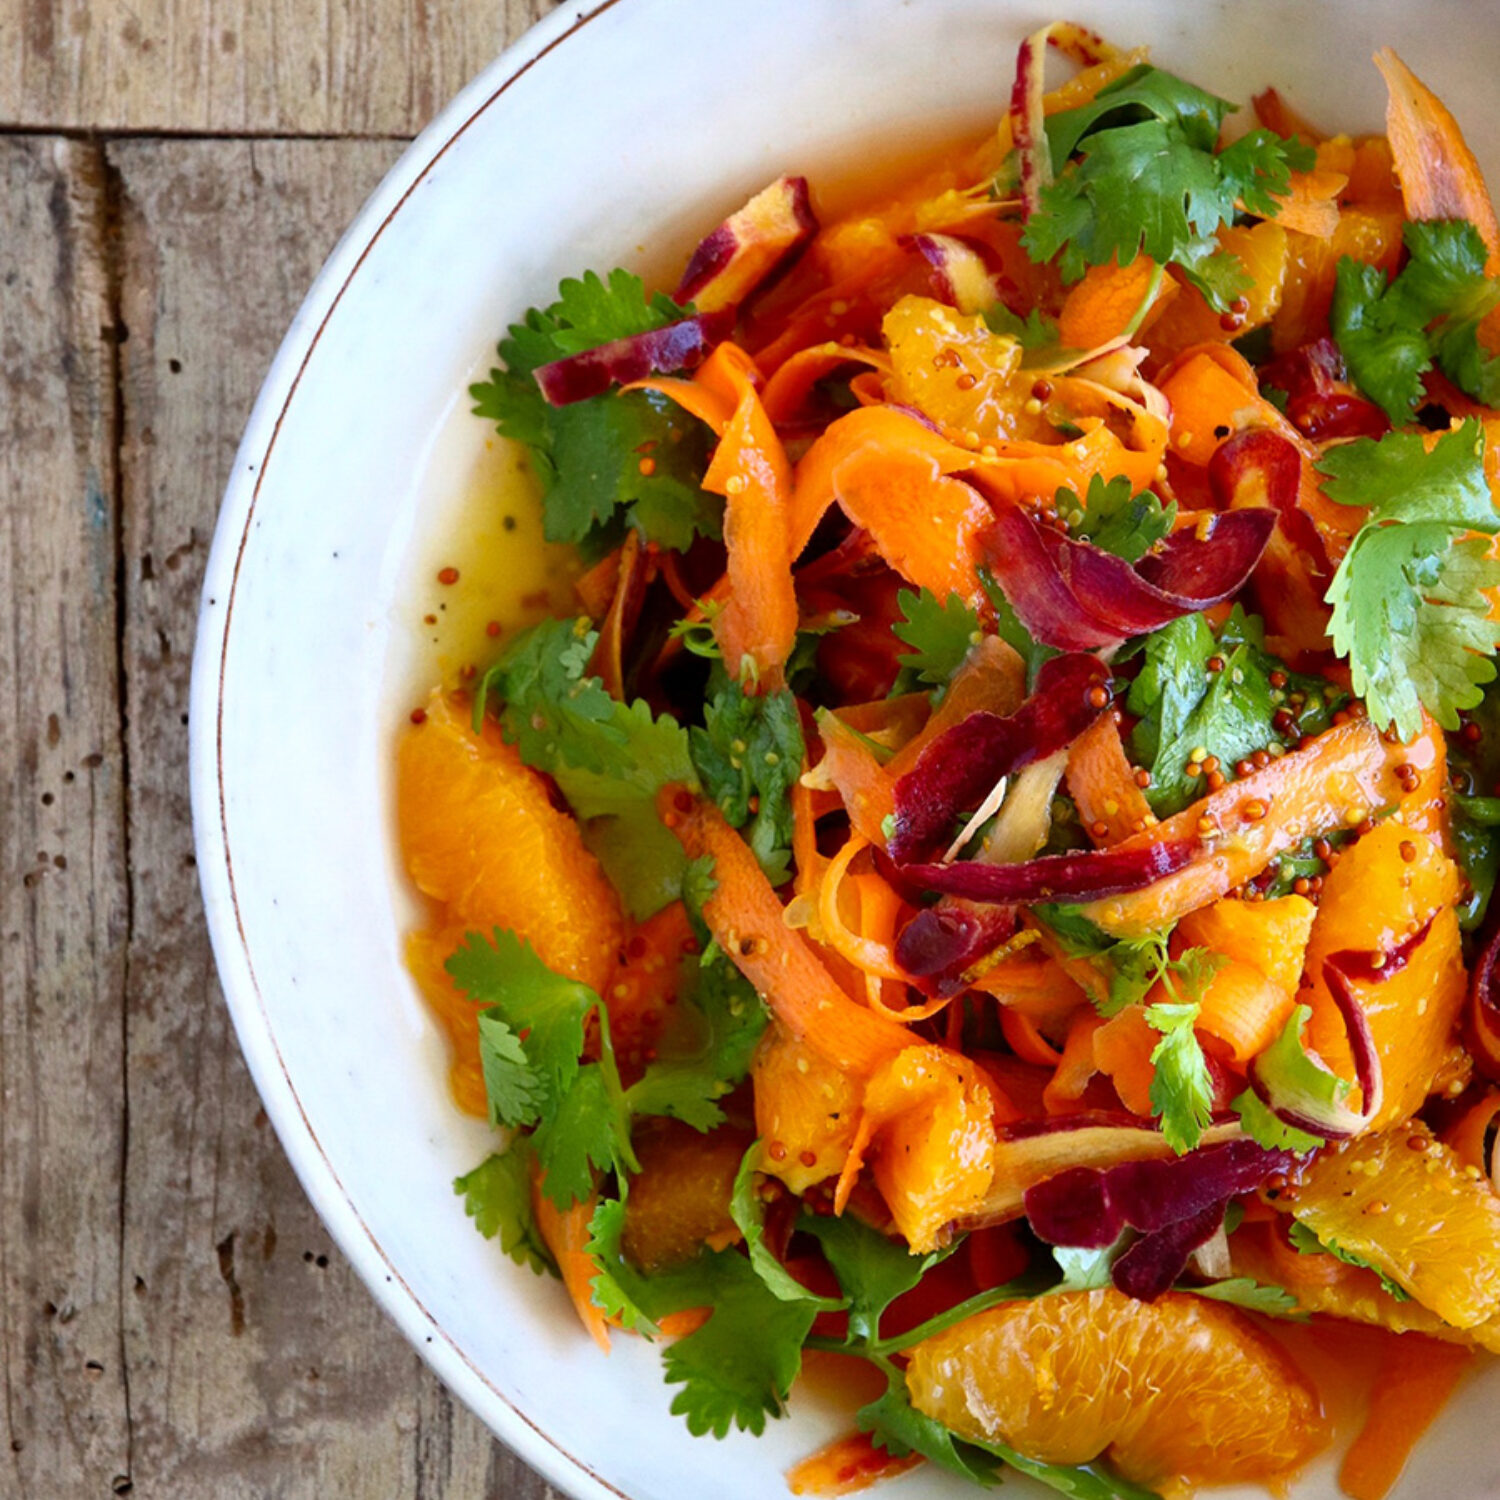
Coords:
294,1128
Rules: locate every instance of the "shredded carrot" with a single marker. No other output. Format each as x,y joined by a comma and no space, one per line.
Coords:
1122,1049
867,791
608,662
1025,1039
1440,179
1102,782
787,391
1076,1067
1418,1377
1243,1011
566,1233
1108,299
745,917
867,955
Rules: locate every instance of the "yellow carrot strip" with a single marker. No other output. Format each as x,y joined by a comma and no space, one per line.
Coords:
1419,1376
1101,781
566,1233
745,918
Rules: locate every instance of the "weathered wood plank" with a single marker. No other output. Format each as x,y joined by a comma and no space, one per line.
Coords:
295,67
259,1365
63,900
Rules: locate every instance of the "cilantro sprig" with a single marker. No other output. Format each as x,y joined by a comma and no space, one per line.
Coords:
1409,598
1135,172
940,634
1116,519
588,454
1392,332
608,758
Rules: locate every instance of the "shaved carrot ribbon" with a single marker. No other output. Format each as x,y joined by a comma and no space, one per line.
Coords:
1075,1066
756,624
1101,781
874,958
745,917
566,1233
787,391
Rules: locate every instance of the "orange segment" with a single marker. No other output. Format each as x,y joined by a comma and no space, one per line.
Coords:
679,1200
806,1110
426,953
1177,1389
479,833
1402,1201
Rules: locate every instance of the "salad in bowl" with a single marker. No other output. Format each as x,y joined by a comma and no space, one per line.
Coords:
985,893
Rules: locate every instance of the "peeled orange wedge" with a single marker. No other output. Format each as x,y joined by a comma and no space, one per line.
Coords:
1180,1389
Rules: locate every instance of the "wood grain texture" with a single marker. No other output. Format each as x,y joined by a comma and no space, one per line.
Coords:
64,906
251,67
259,1364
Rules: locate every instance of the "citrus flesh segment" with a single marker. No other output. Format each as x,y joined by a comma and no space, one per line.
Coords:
1401,1201
1177,1390
479,833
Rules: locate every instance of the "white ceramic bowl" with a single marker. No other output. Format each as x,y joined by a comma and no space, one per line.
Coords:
608,129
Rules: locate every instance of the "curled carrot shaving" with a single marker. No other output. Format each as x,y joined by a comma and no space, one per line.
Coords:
890,474
1076,1066
1035,985
565,1232
871,957
608,663
1440,179
1243,1010
1122,1049
745,918
787,391
868,793
1101,781
1109,300
1024,1038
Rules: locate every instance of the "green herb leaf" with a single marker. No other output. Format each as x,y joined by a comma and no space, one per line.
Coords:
749,1213
1409,608
1390,334
497,1196
588,454
1264,1128
1305,1242
1146,180
587,1131
1182,1090
1254,1296
1183,708
872,1269
897,1426
750,751
1114,519
940,635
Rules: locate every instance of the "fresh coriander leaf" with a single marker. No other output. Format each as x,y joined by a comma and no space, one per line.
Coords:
497,1196
525,997
1185,711
1398,478
1305,1242
749,753
623,1292
872,1269
1009,628
609,759
897,1426
1036,331
588,454
1255,1296
940,635
587,1131
1182,1089
1385,356
732,1019
1257,168
738,1368
749,1213
1114,519
517,1094
1266,1130
1142,93
1411,613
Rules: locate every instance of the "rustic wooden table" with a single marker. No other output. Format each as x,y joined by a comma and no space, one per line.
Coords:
174,1320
